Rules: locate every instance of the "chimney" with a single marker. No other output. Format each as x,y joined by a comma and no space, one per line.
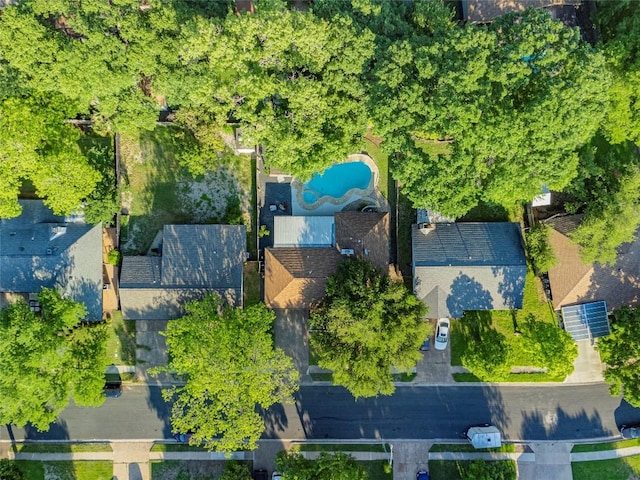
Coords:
425,227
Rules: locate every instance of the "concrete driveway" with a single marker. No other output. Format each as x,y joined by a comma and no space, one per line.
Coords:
292,336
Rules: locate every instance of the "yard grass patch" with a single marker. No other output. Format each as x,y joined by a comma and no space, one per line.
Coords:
433,148
121,344
186,469
506,323
382,161
466,447
79,470
342,447
406,218
158,191
599,447
251,284
615,469
176,447
62,447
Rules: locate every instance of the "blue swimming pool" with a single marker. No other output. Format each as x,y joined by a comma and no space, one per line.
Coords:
336,181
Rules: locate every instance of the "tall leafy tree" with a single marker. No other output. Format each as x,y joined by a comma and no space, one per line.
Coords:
551,346
292,80
38,146
620,352
367,326
515,99
48,358
230,366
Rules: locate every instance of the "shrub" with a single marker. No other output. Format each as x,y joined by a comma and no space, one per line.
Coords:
9,470
540,251
114,257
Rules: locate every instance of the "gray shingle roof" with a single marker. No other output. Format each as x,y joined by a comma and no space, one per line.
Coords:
468,266
196,259
498,243
32,256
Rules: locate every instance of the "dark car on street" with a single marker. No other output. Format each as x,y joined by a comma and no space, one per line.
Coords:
422,475
630,431
260,474
112,385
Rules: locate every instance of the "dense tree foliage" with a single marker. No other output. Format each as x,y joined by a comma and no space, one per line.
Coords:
620,38
336,466
550,345
539,249
227,358
9,470
607,192
234,470
367,326
620,352
516,99
47,358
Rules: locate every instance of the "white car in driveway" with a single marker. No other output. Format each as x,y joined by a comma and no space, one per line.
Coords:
442,334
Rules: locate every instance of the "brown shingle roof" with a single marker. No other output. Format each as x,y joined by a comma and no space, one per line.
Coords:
296,277
569,277
367,233
484,11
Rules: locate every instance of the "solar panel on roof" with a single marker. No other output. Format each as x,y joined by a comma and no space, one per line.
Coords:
587,320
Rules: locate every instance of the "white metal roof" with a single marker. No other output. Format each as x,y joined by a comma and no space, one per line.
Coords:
299,231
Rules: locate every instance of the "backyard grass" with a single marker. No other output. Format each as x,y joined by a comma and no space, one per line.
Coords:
371,148
456,470
506,322
157,190
80,470
599,447
406,217
321,377
493,212
251,283
121,344
616,469
433,148
467,447
342,447
375,470
62,447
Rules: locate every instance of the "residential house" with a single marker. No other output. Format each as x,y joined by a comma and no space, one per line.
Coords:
308,250
486,11
468,266
41,250
574,281
192,261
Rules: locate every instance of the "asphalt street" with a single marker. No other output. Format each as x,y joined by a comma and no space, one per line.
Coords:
421,412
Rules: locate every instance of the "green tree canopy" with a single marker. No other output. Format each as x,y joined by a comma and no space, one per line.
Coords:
227,358
515,99
336,466
607,192
620,352
539,249
48,358
550,345
367,326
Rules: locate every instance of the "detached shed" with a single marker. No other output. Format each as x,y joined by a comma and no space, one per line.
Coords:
484,437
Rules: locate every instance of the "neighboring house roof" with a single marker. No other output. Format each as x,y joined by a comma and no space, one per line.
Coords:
39,249
303,231
296,277
573,281
468,266
484,11
196,259
367,234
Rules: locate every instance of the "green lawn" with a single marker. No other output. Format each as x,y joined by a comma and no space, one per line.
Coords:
186,469
505,322
406,217
493,212
626,468
382,161
63,447
456,470
599,447
157,190
80,470
342,447
433,148
176,447
121,344
251,283
466,447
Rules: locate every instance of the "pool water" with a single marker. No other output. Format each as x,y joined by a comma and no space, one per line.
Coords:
336,181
